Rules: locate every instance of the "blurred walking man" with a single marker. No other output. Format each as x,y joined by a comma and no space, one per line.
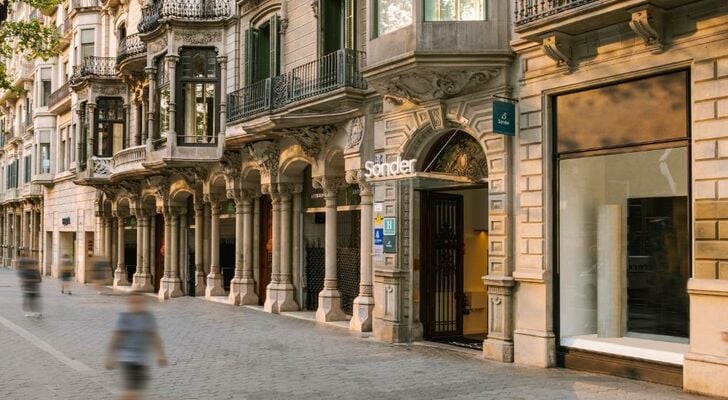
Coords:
66,273
30,285
131,343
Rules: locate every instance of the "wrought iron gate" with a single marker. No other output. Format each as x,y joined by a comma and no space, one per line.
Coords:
442,229
348,263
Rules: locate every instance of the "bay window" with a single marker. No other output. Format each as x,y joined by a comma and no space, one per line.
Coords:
198,97
109,129
392,15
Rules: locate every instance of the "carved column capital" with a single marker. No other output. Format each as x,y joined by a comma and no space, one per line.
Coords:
356,177
329,184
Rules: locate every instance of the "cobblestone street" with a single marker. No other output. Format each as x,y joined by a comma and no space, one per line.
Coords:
223,352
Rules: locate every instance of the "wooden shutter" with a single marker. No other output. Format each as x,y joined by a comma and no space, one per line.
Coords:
275,43
349,24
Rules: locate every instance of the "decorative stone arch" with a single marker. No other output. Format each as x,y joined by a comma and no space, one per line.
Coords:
498,280
178,189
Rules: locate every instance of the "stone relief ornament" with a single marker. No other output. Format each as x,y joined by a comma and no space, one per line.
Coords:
463,156
421,86
356,132
158,45
198,37
312,139
266,157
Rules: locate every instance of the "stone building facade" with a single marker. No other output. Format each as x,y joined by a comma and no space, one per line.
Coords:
339,157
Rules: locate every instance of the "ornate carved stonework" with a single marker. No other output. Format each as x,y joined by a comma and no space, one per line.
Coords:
312,139
329,184
355,131
462,156
558,48
161,188
231,163
266,156
108,90
647,23
284,26
424,85
197,37
356,177
157,45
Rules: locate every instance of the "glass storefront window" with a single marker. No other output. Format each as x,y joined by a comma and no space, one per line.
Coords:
392,15
454,10
624,244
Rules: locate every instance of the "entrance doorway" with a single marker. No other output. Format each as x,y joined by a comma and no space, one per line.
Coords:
442,228
453,241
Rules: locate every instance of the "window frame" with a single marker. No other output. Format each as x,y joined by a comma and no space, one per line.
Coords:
183,137
424,12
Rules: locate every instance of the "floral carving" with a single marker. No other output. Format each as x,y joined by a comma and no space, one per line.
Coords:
420,86
197,37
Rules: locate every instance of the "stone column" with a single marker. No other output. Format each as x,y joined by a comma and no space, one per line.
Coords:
242,287
206,240
151,75
120,273
150,238
172,65
286,291
329,308
90,142
222,60
126,143
145,125
199,249
271,291
99,244
142,279
23,228
214,278
361,319
171,286
107,238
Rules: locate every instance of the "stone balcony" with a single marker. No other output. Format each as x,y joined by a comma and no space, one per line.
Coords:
60,100
65,33
332,82
129,163
537,20
9,196
31,190
177,151
85,5
97,172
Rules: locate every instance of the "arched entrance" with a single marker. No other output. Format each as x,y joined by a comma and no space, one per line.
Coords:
453,242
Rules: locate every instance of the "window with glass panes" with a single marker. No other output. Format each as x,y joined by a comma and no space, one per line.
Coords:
162,97
45,158
198,97
392,15
455,10
262,51
87,45
45,86
26,169
109,129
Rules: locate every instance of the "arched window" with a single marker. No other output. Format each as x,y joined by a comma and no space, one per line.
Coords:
198,96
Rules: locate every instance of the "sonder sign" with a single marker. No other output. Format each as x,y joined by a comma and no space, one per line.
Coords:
396,167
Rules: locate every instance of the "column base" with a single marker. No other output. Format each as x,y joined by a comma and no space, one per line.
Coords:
169,288
214,285
286,298
361,319
329,308
271,298
498,350
120,278
200,283
242,292
536,348
142,283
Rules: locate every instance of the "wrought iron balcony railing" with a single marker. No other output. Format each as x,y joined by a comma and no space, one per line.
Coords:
94,67
62,93
341,68
81,4
129,47
187,9
533,10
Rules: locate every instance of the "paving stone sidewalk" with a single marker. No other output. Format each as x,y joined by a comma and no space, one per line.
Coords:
218,351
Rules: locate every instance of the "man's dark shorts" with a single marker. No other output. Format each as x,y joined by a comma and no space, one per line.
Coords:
135,376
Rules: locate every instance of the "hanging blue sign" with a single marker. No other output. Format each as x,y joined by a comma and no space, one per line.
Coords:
378,236
504,117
